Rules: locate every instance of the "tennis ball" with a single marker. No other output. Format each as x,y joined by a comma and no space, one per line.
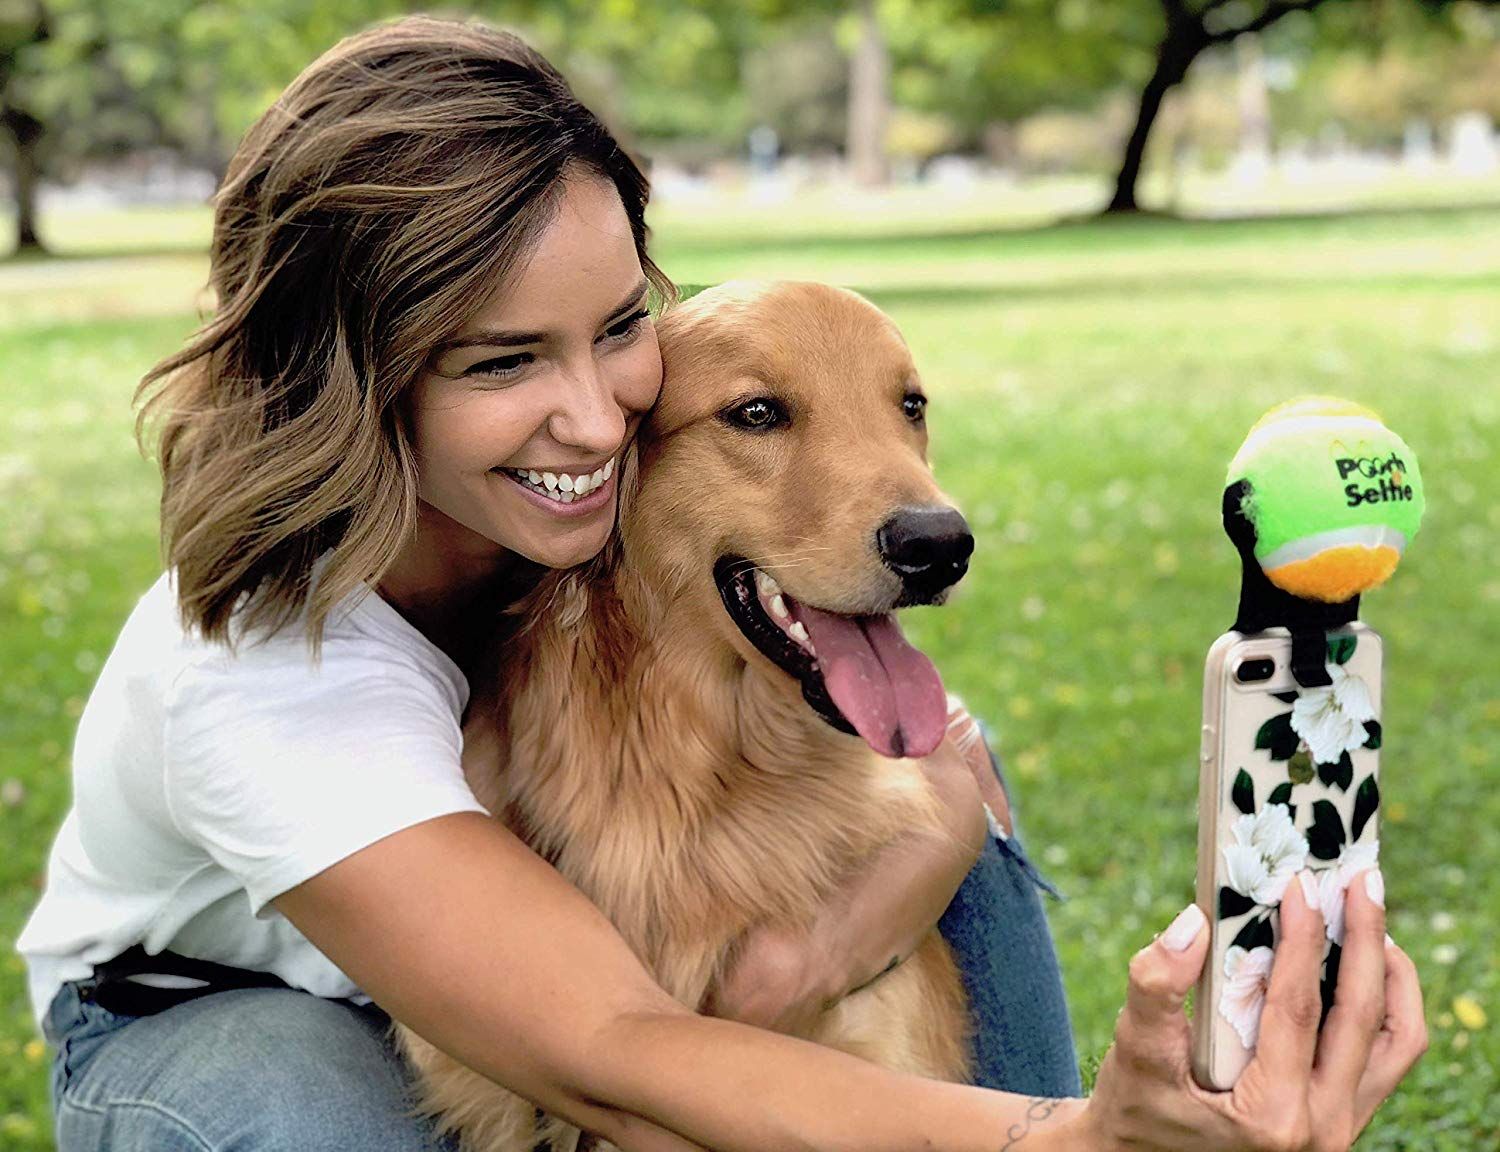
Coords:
1333,494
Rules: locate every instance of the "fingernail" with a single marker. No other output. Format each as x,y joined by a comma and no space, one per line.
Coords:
1375,886
1184,929
1389,943
1309,883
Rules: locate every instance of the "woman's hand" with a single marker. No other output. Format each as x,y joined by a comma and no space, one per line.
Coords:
963,731
784,979
1304,1091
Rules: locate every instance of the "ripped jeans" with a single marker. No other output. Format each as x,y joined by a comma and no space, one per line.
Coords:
268,1069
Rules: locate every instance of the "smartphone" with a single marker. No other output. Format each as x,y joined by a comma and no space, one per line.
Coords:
1288,779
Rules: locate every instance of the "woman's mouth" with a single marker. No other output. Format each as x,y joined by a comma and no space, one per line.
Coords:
565,492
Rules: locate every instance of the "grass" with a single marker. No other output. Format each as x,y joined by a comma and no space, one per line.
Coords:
1090,382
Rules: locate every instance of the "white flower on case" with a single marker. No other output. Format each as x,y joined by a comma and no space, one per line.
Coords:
1332,719
1267,852
1247,974
1333,880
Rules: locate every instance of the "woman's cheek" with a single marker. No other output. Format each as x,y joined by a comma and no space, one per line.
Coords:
639,382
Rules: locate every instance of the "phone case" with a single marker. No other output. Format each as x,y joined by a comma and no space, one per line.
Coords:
1288,779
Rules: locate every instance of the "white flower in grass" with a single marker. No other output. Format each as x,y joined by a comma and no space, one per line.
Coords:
1333,880
1267,852
1332,719
1247,975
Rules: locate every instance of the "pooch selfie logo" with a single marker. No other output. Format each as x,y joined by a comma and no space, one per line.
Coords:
1390,471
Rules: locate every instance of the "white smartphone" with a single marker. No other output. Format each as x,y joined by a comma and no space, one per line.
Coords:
1288,779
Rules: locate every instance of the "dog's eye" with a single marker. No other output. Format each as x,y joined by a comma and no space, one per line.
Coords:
915,407
760,413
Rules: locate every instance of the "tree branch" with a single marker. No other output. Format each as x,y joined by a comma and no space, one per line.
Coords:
1273,12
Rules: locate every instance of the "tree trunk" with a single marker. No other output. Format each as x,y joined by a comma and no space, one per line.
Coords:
25,132
869,100
1178,51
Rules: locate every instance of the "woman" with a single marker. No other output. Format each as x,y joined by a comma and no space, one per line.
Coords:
431,272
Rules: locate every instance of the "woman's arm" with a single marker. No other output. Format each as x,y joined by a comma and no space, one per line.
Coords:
784,978
461,932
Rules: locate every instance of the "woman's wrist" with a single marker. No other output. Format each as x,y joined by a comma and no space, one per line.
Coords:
723,1085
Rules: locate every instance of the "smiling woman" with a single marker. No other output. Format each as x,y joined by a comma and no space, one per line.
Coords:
433,345
549,379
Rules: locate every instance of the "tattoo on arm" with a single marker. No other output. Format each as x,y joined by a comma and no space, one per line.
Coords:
1038,1109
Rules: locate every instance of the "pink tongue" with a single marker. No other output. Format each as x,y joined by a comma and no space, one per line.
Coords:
888,690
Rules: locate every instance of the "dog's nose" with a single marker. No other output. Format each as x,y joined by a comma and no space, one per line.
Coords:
928,547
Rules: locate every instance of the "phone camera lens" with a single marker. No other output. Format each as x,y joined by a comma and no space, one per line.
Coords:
1253,671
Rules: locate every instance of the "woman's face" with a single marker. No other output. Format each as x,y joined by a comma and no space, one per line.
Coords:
518,421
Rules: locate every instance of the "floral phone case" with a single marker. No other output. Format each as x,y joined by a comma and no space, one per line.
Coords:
1289,779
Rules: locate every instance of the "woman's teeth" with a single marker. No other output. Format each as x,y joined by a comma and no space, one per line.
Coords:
561,486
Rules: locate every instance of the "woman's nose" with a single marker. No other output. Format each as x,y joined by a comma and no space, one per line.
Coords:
588,415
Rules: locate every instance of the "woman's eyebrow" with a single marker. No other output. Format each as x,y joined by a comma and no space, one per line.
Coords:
498,338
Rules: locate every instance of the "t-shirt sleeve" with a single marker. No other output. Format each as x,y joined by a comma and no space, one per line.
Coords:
278,767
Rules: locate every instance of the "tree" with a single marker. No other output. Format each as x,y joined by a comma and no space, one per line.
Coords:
22,26
869,98
1189,29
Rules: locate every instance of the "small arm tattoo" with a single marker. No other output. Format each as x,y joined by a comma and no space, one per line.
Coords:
1038,1109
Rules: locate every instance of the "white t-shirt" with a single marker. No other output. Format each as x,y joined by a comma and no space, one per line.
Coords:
207,782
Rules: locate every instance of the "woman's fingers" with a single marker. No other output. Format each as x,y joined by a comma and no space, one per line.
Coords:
968,739
1359,994
1152,1023
1402,1038
1293,1006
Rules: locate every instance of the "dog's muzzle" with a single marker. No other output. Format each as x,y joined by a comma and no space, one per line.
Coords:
928,547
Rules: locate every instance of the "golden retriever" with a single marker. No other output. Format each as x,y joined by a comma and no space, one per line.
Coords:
703,729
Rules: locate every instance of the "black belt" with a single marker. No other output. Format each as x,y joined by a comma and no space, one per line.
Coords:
113,991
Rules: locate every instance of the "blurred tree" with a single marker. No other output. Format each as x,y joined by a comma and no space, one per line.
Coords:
869,98
23,25
1189,27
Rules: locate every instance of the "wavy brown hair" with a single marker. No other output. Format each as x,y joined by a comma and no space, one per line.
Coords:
364,217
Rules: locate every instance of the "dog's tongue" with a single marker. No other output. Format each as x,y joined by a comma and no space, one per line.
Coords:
888,690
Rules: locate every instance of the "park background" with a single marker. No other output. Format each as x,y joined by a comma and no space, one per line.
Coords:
1114,232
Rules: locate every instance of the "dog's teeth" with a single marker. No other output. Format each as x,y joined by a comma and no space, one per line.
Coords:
765,584
609,467
778,607
798,632
550,481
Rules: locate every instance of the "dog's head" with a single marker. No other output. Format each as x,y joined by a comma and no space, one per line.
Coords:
786,484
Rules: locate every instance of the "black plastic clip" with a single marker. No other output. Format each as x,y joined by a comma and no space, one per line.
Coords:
1263,605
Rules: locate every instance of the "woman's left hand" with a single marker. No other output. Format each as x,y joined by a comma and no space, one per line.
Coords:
784,978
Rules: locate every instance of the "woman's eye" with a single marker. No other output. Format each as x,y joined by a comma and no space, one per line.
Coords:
915,407
760,413
502,366
626,328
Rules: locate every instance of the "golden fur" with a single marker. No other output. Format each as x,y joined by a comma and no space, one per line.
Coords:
652,754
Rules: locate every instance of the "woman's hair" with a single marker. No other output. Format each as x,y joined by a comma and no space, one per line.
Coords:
364,218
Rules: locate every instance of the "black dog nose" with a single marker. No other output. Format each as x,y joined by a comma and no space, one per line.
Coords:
928,547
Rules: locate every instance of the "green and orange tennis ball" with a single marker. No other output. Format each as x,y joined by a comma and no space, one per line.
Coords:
1333,494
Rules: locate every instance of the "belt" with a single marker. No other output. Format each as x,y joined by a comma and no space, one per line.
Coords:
113,989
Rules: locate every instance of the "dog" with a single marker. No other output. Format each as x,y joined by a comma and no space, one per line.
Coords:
707,727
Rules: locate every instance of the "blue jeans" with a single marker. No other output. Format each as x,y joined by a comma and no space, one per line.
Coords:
267,1069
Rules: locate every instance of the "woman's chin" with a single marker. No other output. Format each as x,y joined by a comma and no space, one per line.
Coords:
567,549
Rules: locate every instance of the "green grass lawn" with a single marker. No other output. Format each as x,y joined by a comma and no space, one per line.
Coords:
1089,384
